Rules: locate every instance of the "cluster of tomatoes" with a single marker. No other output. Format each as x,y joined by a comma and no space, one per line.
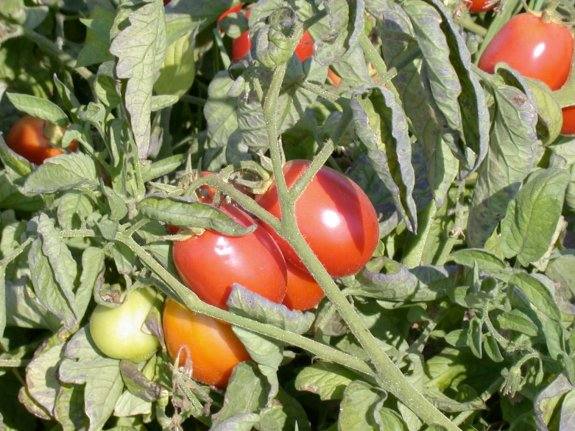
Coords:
339,224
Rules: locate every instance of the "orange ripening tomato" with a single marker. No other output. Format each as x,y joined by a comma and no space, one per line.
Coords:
335,217
211,263
302,291
27,138
536,47
211,345
333,78
478,6
568,121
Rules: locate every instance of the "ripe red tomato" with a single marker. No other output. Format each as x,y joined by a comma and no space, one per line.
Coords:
302,291
210,263
335,217
568,121
211,345
234,9
536,47
27,138
478,6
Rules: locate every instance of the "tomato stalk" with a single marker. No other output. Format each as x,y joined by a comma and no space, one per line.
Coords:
388,374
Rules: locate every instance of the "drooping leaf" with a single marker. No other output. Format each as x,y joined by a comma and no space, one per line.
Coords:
42,377
140,49
381,125
514,151
357,411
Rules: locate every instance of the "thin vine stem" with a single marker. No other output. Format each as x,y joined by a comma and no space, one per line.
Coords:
191,301
389,375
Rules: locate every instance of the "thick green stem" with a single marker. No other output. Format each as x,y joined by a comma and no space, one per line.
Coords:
191,301
467,23
388,374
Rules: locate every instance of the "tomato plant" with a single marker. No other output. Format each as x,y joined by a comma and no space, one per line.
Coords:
535,46
335,217
120,332
210,345
252,260
28,137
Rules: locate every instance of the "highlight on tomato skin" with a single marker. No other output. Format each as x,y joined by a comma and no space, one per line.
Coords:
335,217
568,127
210,345
210,263
535,46
27,137
302,291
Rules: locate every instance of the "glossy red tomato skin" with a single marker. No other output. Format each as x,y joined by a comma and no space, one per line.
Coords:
335,217
302,291
27,138
568,121
210,263
534,47
211,345
478,6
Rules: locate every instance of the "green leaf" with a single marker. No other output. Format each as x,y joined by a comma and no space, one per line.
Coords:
130,405
514,151
179,67
51,295
567,420
537,294
548,399
516,320
82,365
13,160
61,173
140,49
474,133
327,380
381,125
69,408
561,270
73,209
42,377
220,108
180,212
390,420
245,303
96,46
441,72
39,108
357,407
93,267
163,101
483,259
531,220
246,393
3,309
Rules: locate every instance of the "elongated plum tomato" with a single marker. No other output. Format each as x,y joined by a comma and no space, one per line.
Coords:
534,46
211,345
120,333
211,262
302,292
27,137
335,217
568,121
478,6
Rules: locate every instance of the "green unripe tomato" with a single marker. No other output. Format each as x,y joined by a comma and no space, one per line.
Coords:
119,332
